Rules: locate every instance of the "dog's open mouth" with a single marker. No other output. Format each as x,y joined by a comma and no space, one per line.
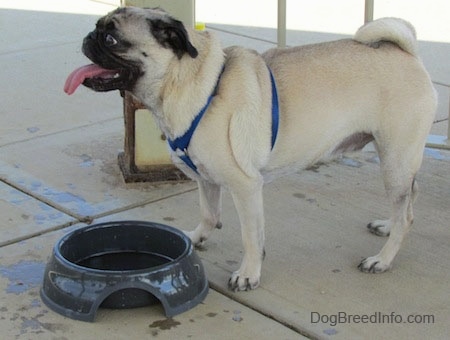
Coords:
96,78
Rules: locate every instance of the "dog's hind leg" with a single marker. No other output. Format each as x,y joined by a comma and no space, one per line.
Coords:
210,208
400,140
398,170
383,227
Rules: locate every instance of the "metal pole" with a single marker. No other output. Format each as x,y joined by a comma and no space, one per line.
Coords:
448,123
368,11
281,30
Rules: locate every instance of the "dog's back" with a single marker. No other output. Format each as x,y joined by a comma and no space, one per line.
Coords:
333,91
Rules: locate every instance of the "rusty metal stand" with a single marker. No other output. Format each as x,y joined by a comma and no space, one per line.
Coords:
131,173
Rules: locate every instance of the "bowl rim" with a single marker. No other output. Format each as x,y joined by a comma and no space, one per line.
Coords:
120,223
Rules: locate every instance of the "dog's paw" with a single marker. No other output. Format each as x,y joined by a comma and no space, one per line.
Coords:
379,228
239,282
249,274
373,264
196,239
200,234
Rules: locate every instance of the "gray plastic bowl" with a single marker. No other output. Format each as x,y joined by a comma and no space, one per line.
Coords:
123,264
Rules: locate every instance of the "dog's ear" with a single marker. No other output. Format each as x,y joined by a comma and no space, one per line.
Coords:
172,35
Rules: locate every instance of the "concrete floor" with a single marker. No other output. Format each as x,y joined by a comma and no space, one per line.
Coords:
58,166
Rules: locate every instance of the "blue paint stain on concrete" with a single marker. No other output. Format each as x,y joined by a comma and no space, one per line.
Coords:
35,303
41,219
45,207
350,162
436,154
35,185
86,164
70,201
23,276
33,129
330,331
375,159
16,197
20,199
62,197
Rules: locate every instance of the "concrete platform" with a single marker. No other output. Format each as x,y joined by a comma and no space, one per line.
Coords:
316,237
59,171
24,316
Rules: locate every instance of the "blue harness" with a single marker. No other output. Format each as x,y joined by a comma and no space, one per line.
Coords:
181,144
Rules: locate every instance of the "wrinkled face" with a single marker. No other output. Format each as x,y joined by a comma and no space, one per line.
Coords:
123,45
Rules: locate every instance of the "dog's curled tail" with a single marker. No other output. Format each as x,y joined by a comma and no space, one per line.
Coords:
395,30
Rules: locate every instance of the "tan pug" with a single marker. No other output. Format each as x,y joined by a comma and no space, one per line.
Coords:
326,99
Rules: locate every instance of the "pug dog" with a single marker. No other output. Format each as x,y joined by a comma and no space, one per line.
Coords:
236,119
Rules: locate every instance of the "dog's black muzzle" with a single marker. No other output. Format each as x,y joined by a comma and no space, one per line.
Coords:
127,71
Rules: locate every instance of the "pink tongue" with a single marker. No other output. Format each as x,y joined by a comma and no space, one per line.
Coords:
77,77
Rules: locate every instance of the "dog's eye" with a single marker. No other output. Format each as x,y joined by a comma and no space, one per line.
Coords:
110,40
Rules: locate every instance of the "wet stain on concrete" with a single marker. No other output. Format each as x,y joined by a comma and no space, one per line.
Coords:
34,326
3,311
71,186
23,276
303,196
87,161
315,167
165,324
33,129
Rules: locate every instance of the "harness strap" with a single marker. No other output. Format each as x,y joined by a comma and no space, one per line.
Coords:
181,144
275,110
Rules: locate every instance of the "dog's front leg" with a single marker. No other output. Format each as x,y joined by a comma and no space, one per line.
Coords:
210,208
249,205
